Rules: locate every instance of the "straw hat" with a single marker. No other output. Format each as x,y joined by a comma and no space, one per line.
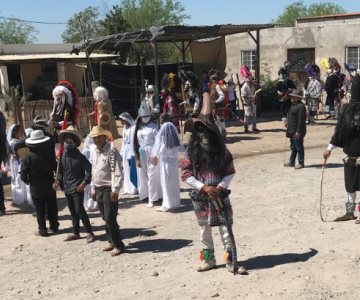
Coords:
97,131
70,132
36,137
296,94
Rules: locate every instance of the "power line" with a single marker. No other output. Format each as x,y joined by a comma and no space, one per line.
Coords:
35,22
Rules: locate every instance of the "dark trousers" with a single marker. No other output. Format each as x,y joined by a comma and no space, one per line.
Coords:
2,196
77,211
233,106
297,149
108,211
46,204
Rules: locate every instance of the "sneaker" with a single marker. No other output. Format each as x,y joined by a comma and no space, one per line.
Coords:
43,233
289,164
162,209
150,205
72,237
117,251
299,166
109,247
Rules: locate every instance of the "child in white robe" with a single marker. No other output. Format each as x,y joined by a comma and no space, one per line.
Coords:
127,154
144,138
165,153
20,191
89,146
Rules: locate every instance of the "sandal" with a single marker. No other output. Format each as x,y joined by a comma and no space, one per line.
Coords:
72,237
90,238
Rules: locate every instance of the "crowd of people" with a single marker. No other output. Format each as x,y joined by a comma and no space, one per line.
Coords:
46,156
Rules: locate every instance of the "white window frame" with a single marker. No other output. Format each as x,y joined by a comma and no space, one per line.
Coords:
252,65
347,55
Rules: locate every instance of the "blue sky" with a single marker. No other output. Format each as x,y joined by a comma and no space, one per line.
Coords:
201,12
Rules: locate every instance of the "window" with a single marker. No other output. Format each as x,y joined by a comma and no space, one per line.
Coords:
248,58
353,56
298,58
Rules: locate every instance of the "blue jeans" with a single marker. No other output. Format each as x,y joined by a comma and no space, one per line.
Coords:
297,149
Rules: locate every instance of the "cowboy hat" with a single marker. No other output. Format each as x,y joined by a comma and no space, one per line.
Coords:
36,137
97,131
70,132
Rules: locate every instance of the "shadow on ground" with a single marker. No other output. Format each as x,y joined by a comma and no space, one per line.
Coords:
157,245
270,261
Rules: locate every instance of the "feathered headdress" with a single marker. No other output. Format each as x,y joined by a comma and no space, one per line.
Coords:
245,72
350,67
69,95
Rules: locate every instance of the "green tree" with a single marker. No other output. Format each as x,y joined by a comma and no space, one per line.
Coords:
16,32
140,14
298,10
83,24
114,21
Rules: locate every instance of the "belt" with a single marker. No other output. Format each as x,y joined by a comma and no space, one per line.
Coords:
103,188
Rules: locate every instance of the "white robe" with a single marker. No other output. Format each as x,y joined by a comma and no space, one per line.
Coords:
169,176
149,175
20,191
89,147
126,152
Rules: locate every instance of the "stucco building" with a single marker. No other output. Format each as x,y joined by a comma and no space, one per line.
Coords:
309,40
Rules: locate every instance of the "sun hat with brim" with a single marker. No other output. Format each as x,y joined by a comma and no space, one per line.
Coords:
296,94
36,137
98,130
72,133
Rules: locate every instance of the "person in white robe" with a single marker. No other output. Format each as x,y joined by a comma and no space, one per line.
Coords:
127,154
149,175
165,154
89,146
20,191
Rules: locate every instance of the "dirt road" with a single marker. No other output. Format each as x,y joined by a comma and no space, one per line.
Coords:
289,252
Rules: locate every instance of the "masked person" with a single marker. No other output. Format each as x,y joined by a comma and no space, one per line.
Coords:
248,94
312,91
165,153
208,168
283,87
347,136
73,176
37,170
127,154
144,139
105,184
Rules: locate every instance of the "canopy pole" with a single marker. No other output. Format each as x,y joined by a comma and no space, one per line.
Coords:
183,53
156,69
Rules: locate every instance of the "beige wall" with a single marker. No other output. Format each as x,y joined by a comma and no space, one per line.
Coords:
328,40
74,74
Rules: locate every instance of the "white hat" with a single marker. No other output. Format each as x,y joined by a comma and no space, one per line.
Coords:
36,137
150,88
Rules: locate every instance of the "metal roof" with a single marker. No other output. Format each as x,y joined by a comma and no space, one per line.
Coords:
174,33
31,58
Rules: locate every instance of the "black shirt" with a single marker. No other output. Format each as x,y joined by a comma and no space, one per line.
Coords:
296,119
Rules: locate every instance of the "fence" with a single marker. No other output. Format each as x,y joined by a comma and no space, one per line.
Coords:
44,108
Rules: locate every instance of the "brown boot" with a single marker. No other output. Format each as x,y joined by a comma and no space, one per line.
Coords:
347,217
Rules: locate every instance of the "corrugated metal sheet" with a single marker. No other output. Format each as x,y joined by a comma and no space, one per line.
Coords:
175,33
53,57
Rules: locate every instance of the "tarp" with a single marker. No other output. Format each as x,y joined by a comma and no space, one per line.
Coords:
208,54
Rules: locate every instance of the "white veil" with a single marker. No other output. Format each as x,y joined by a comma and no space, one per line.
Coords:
167,138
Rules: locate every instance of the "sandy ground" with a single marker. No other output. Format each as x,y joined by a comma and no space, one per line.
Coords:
289,252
